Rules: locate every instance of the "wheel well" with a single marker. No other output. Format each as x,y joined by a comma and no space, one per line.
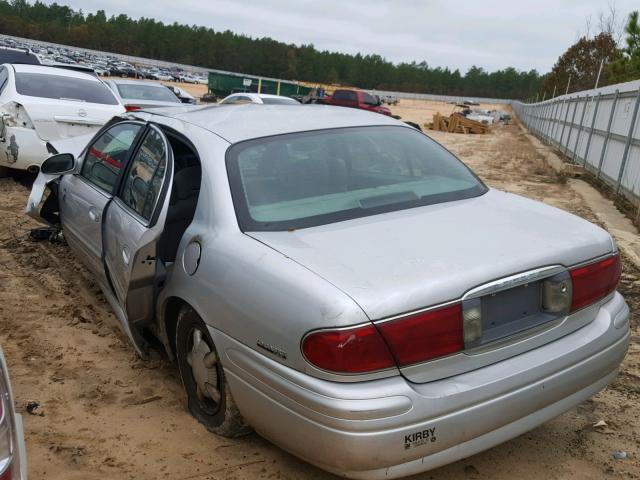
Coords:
171,311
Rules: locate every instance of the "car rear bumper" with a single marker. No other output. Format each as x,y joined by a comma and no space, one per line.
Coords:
390,428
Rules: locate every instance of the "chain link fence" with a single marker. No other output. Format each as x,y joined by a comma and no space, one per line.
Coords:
598,129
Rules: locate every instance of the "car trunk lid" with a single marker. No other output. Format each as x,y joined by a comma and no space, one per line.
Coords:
405,261
59,119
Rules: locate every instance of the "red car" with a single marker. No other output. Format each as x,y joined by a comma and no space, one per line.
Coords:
356,99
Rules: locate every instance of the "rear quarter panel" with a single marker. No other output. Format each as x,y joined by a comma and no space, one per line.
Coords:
242,287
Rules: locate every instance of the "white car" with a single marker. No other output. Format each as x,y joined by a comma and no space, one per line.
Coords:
202,79
39,104
258,98
140,94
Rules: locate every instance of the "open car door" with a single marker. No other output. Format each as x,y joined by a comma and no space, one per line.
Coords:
133,224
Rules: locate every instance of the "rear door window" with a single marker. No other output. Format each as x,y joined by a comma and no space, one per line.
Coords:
61,87
108,154
143,182
346,95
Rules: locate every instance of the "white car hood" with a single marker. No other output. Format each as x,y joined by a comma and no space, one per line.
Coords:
410,259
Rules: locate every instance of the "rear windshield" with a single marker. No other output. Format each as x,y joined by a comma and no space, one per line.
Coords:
345,95
58,87
279,101
315,178
16,56
132,91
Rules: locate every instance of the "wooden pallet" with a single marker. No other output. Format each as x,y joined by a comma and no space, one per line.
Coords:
456,123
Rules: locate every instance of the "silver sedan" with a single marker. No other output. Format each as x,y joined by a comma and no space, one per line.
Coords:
338,281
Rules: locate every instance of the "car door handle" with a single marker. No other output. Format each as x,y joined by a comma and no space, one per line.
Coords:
94,214
126,255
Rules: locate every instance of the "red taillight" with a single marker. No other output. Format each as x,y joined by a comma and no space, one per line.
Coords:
7,474
351,350
594,281
132,108
425,335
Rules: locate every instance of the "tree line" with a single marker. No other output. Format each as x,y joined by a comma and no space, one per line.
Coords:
226,50
596,59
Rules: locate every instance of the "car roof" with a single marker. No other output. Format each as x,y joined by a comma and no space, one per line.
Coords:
247,121
63,72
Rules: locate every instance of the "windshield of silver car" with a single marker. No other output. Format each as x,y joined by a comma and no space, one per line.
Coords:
314,178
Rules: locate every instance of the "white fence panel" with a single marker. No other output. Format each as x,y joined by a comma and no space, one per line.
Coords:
599,129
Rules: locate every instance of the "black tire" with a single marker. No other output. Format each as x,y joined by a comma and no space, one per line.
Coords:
221,417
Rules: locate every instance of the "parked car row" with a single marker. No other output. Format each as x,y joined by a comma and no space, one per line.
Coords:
101,64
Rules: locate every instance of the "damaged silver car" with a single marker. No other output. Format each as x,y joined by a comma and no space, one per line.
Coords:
339,281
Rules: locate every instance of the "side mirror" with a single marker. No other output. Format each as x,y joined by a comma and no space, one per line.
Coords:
58,164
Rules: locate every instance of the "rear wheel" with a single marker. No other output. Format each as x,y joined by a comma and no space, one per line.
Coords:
208,395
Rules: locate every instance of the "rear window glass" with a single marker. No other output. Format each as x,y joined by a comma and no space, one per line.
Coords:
131,91
279,101
345,95
60,87
16,56
315,178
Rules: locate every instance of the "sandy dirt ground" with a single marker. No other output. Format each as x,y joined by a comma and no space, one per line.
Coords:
105,414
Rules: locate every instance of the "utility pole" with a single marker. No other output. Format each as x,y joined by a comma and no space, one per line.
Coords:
568,83
599,72
553,95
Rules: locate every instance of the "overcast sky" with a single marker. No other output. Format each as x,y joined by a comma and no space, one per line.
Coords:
492,34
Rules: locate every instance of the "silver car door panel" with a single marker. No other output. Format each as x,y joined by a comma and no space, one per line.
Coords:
133,224
81,209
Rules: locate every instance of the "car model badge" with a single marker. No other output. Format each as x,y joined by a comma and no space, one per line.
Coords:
82,113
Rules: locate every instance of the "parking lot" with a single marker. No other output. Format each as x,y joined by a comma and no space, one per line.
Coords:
103,413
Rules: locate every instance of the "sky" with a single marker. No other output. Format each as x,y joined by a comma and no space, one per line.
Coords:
492,34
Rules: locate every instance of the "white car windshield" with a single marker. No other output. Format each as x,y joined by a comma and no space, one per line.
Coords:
314,178
64,88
